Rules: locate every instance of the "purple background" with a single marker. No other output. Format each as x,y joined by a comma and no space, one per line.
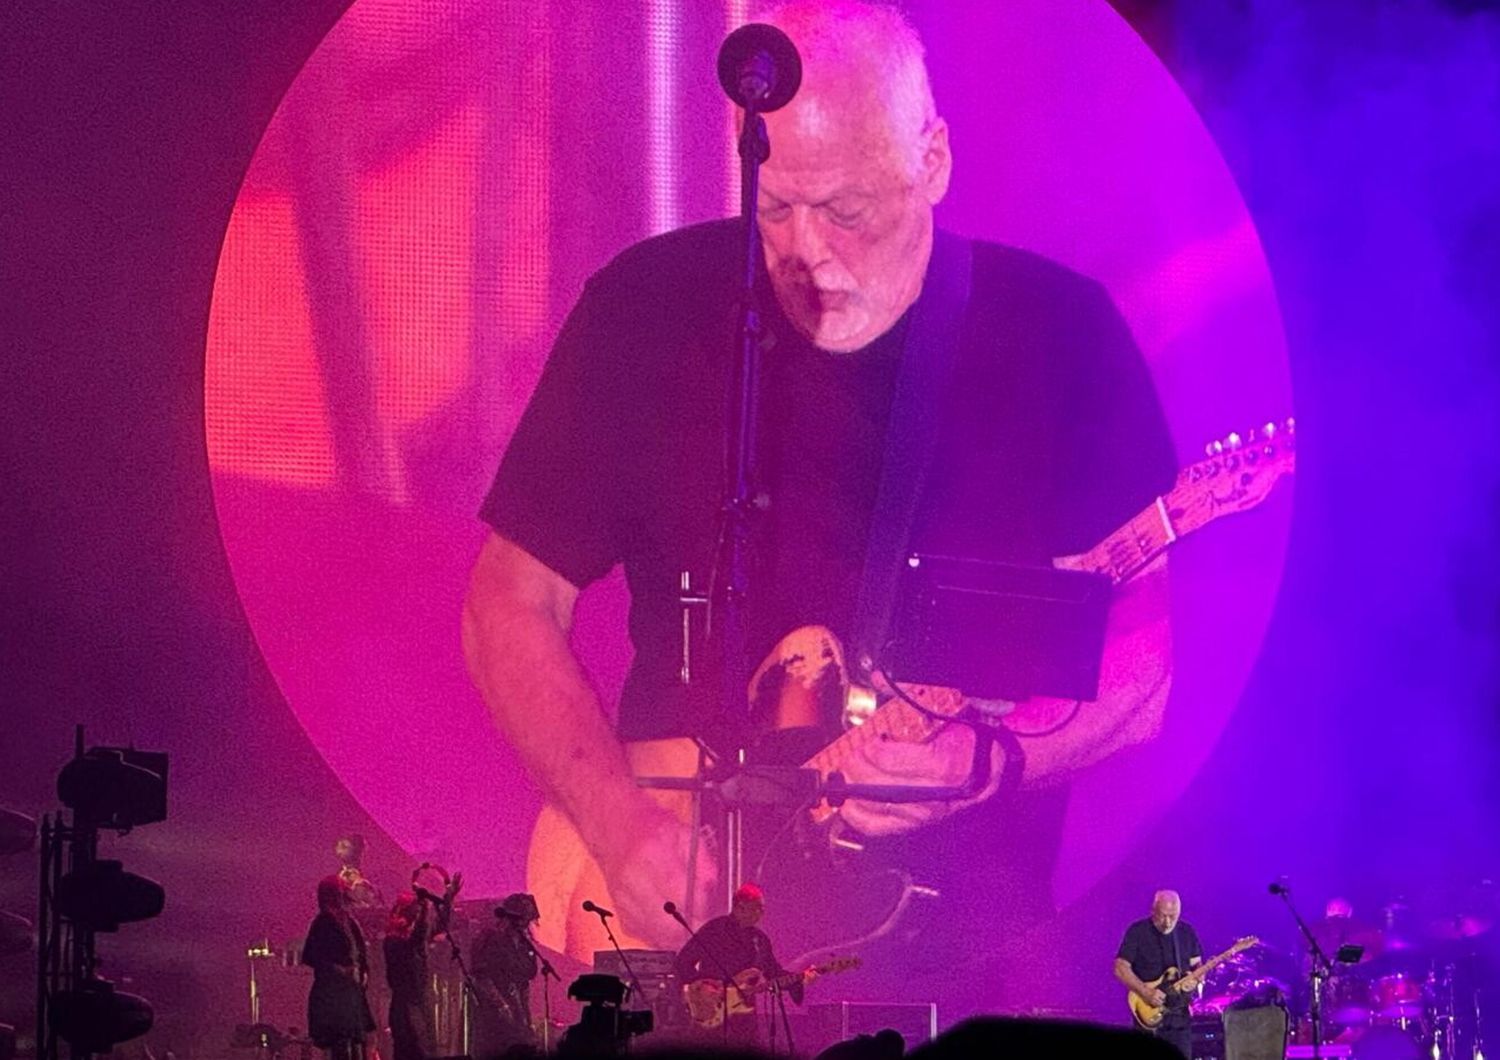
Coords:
1360,758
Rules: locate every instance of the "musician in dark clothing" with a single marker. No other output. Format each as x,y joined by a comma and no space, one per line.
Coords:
1149,949
338,1014
503,966
406,937
728,946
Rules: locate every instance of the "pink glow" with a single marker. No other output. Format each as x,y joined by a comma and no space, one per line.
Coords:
1069,139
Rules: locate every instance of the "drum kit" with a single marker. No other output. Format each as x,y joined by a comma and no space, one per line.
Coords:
1408,988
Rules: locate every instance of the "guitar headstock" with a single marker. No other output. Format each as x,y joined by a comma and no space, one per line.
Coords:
1241,945
1239,472
840,964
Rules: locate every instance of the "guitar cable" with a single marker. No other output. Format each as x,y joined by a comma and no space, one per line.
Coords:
970,717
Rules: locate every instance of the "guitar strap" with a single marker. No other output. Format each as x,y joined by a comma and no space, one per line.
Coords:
922,379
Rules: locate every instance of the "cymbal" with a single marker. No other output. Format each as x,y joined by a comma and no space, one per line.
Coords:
1459,927
1334,932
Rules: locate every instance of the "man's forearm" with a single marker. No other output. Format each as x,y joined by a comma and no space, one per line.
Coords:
527,674
1132,982
1135,677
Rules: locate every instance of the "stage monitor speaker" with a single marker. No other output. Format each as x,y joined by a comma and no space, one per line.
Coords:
1255,1033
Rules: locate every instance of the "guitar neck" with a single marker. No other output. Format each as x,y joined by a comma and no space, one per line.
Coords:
1191,980
1132,548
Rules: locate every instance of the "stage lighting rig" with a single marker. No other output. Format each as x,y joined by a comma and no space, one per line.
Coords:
17,836
107,789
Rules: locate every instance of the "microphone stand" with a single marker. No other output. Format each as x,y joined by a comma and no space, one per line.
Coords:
547,970
780,1000
635,986
444,912
1322,968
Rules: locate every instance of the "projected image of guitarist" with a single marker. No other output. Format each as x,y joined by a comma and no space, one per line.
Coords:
927,394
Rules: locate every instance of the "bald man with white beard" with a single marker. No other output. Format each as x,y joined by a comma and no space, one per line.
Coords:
618,460
1150,947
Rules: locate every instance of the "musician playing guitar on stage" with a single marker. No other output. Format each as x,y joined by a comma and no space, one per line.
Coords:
1150,947
725,948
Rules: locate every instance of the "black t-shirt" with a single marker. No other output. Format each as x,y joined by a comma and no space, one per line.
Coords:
406,961
1150,953
1051,437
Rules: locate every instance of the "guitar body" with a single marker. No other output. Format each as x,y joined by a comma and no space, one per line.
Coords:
1178,988
705,998
1149,1016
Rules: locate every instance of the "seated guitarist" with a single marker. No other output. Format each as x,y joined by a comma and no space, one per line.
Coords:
728,946
1151,947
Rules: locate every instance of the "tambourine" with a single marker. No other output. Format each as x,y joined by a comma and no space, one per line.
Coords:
430,881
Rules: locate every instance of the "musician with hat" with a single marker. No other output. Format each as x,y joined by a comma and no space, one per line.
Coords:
504,964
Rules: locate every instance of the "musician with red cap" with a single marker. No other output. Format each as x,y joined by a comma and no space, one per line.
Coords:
733,949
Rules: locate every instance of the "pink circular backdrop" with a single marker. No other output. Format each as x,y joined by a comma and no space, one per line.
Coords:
410,231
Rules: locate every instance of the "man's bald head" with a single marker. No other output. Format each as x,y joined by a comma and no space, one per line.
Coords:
1166,910
855,51
858,160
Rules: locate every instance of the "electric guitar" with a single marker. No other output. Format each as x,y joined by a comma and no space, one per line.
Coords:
1177,986
1238,473
706,997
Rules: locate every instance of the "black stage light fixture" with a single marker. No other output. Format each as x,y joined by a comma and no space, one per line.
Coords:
17,832
16,934
102,895
94,1017
115,787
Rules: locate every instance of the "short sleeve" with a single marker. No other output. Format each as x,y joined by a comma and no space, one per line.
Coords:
1119,456
556,490
1130,946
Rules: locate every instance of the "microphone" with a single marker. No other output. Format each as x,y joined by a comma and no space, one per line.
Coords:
1279,888
590,907
670,908
759,67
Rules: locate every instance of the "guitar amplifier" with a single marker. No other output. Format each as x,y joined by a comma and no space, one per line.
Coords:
999,630
653,970
820,1026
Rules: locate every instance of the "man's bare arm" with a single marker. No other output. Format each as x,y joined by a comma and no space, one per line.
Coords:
516,621
1135,678
1133,982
